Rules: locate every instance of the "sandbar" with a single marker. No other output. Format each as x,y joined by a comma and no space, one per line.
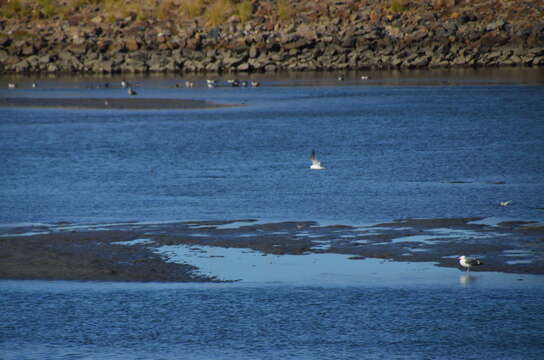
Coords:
135,103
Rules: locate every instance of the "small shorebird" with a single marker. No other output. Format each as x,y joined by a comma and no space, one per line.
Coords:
131,92
34,85
340,78
12,85
364,77
233,82
189,84
212,85
316,164
124,84
255,84
505,203
469,262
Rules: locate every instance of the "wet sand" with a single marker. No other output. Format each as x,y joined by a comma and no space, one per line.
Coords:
135,103
128,251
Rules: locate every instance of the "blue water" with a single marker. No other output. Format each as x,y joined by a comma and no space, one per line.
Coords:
410,148
391,152
47,321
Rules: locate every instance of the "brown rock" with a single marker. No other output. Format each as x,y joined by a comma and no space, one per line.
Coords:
4,40
78,49
103,45
193,44
253,52
307,32
52,68
131,44
299,44
270,68
243,67
97,19
27,50
46,59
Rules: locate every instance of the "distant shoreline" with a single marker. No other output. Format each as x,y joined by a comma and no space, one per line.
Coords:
108,103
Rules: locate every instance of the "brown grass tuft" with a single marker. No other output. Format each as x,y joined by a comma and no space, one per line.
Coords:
218,12
399,5
245,10
192,8
285,10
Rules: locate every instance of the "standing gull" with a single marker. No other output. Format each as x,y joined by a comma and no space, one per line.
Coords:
316,164
469,262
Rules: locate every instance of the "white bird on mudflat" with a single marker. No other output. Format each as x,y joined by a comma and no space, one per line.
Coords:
316,164
469,262
131,91
505,203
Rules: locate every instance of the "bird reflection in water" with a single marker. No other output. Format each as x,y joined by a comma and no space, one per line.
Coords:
467,279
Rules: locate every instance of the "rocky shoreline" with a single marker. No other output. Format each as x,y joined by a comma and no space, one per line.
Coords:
338,36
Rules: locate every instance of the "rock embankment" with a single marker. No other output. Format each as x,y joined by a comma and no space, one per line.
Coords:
318,35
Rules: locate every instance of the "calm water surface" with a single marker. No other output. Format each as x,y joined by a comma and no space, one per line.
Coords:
98,321
418,145
391,152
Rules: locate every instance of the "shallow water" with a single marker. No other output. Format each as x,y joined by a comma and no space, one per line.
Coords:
402,145
153,321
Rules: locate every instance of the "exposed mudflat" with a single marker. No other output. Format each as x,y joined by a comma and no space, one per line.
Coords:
128,251
136,103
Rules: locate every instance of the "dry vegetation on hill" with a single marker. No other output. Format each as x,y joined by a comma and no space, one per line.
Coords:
217,12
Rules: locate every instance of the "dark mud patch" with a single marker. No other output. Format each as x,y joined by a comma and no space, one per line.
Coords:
87,256
135,103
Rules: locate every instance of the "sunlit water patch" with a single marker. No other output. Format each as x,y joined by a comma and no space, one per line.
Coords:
249,266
